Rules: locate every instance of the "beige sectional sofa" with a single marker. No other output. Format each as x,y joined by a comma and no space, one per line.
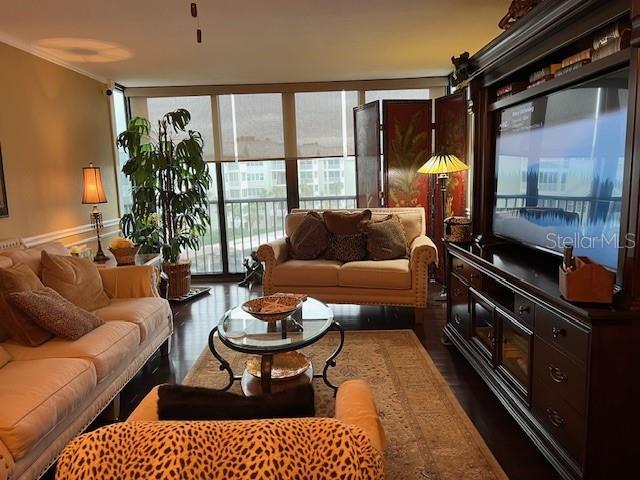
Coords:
401,282
50,393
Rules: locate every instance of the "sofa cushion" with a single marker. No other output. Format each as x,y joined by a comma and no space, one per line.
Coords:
345,223
19,278
107,347
37,395
319,273
150,314
31,257
55,314
392,274
4,357
310,239
386,239
76,279
347,248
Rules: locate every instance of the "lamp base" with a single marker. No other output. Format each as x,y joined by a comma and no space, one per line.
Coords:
100,257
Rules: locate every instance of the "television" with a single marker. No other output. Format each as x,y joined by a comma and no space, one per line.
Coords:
559,165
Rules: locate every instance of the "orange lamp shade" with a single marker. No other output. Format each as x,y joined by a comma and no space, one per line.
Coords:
93,192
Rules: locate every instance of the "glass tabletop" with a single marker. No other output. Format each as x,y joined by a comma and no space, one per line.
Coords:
240,331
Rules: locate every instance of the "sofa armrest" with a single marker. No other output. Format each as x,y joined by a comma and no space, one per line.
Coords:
7,463
423,250
274,253
134,281
355,406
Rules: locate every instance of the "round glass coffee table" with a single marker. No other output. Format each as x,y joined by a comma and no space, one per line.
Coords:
240,331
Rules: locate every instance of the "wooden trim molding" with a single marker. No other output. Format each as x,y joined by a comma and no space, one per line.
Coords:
66,233
389,84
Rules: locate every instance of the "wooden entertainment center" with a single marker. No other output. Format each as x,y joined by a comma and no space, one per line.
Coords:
567,373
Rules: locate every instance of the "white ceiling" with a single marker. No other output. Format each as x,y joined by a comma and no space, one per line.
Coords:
152,42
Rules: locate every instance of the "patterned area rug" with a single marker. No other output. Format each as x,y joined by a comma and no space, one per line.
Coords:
428,434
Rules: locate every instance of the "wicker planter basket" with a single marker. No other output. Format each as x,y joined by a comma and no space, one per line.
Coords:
125,256
179,277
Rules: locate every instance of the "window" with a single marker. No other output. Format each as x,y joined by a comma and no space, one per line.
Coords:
279,177
251,126
201,119
324,123
337,178
255,177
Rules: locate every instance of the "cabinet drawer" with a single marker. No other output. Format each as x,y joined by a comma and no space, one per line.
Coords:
466,271
524,309
563,423
459,298
560,375
562,334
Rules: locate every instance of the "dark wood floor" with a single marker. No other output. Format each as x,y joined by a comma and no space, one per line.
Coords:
193,321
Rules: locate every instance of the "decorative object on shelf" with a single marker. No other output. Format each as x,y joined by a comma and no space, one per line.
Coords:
510,89
254,269
543,74
93,194
170,181
124,250
611,40
517,10
462,68
442,165
457,229
586,281
4,208
82,251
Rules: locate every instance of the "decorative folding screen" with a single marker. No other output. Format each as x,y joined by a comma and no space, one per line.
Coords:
366,120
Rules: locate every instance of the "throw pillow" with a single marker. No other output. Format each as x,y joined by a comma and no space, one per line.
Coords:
4,357
310,239
181,402
347,248
386,239
55,314
345,223
19,278
76,279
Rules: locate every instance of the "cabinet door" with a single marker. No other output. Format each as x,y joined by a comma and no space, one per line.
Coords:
484,333
515,353
459,298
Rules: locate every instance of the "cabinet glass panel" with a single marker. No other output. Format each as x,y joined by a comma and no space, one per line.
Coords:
515,348
483,324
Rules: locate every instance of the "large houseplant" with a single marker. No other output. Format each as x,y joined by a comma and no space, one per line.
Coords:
169,180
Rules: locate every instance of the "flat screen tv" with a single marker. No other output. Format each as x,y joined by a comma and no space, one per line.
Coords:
559,169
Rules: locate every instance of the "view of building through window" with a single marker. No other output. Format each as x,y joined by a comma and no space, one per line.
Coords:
253,169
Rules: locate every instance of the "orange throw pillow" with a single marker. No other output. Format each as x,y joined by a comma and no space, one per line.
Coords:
76,279
19,278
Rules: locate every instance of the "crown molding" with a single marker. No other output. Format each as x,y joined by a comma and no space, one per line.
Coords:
38,52
67,232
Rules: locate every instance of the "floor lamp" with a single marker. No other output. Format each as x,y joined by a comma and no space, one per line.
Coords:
442,165
93,194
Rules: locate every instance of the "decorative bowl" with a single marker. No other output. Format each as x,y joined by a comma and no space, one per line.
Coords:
273,308
125,256
285,365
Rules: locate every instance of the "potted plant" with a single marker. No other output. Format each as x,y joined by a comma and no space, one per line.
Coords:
169,180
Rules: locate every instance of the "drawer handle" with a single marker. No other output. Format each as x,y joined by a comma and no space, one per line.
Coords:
557,375
555,418
473,276
524,309
558,332
493,339
456,318
459,267
457,292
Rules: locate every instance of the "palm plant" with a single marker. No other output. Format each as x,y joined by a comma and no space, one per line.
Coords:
169,180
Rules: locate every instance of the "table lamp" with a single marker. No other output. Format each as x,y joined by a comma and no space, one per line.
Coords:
442,165
92,194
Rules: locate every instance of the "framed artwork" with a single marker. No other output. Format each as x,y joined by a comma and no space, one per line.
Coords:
406,136
4,208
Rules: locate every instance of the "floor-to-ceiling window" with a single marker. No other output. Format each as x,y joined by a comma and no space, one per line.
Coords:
254,143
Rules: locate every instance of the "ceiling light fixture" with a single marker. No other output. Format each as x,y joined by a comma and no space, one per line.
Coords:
194,14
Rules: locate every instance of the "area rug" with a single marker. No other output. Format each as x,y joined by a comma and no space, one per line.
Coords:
428,434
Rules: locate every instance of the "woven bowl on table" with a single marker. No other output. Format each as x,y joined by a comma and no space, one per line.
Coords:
272,308
125,256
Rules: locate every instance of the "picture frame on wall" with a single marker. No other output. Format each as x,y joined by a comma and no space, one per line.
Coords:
4,207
